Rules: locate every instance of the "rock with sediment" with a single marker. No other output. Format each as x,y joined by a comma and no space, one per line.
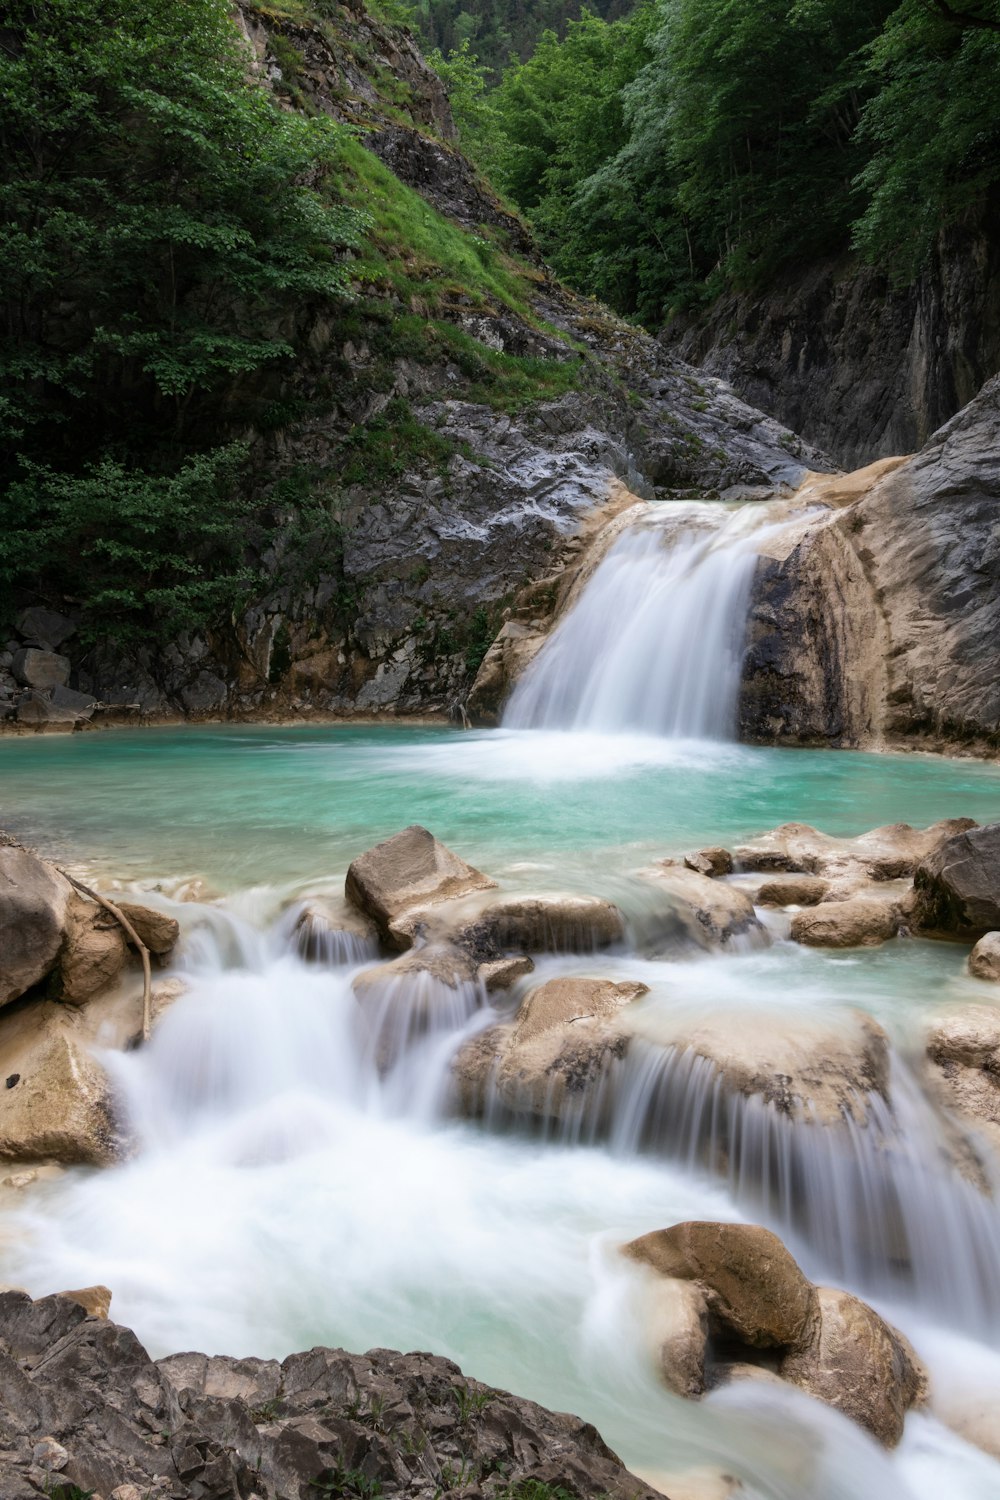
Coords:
984,960
408,871
958,885
33,902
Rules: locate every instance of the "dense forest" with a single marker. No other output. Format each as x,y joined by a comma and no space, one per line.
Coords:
701,144
498,32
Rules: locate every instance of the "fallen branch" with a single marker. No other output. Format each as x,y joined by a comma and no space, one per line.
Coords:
130,932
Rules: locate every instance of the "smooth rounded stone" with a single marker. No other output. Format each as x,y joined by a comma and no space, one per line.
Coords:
158,931
542,924
792,890
854,1361
958,886
58,1104
677,1325
35,668
891,852
984,960
412,869
963,1052
712,912
503,973
33,902
860,922
810,1068
94,952
45,628
49,1455
712,862
753,1288
95,1300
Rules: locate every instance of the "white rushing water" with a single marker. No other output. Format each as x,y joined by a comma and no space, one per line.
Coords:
654,644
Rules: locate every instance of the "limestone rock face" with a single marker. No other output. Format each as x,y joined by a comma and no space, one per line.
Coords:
958,885
855,1361
33,903
57,1103
984,960
412,869
753,1288
879,620
189,1427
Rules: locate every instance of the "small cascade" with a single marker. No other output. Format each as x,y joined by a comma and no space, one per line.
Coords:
654,644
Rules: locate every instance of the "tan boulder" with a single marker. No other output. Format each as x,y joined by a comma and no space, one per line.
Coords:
860,922
57,1104
158,931
892,852
792,890
677,1325
95,1300
854,1361
754,1290
474,1069
711,911
328,930
984,960
412,869
504,973
963,1060
714,862
813,1068
492,927
94,952
423,990
33,901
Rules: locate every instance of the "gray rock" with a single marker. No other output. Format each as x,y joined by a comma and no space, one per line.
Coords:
46,628
958,886
40,710
33,903
36,668
205,695
82,704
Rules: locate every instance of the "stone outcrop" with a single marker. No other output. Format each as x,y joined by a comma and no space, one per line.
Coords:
730,1302
412,870
551,1062
958,885
855,365
875,622
85,1407
33,904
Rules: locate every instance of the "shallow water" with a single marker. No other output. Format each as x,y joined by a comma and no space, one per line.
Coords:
285,1196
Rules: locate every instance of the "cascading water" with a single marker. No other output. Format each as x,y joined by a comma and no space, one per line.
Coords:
654,644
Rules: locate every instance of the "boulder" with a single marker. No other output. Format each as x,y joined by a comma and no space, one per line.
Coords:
792,890
677,1326
753,1289
153,928
535,924
44,628
854,1361
813,1069
81,704
712,912
892,852
958,885
57,1104
713,862
328,930
859,922
95,1300
33,902
410,870
35,668
550,1062
39,710
93,954
984,960
963,1052
504,973
205,694
426,989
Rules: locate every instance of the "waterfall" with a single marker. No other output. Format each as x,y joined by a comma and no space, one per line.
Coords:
654,644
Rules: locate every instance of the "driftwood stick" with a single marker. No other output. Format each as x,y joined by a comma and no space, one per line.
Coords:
123,921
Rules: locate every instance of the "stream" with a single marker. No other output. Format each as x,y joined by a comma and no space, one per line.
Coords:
286,1193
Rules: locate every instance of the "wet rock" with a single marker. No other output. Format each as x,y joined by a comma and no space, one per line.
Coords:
39,669
329,930
226,1427
513,650
678,1329
958,885
854,1361
412,869
753,1289
504,973
860,922
155,929
95,1300
888,853
62,1107
963,1052
713,862
792,890
33,902
808,1068
428,988
712,912
93,954
984,960
539,924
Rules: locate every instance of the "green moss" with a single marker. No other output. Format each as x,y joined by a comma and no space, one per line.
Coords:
392,443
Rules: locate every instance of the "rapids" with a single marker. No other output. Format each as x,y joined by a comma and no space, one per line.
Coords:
286,1192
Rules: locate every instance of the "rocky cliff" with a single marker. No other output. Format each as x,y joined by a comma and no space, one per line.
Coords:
440,443
875,617
857,367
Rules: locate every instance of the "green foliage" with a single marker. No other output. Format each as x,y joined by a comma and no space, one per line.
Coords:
348,1483
502,31
147,555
